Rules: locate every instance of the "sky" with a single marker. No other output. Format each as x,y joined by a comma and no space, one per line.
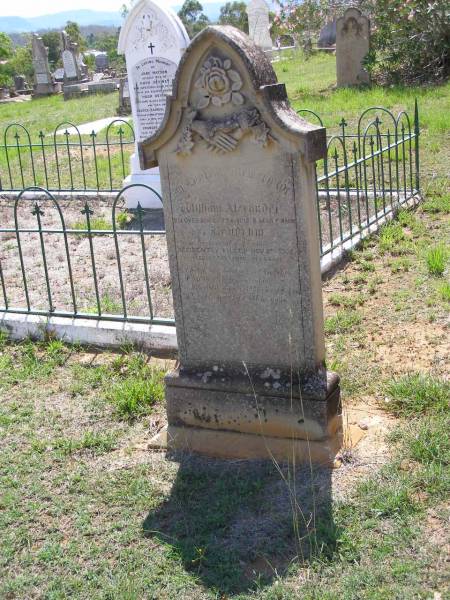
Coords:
33,8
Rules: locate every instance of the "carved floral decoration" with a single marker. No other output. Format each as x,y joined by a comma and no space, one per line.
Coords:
218,84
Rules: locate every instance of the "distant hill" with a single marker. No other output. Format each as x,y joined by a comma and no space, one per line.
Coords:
58,20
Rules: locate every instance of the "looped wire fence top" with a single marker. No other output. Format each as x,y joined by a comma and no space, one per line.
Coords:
80,259
68,256
65,159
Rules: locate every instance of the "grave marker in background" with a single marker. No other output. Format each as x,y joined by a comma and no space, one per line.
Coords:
153,40
43,82
237,169
259,24
352,45
70,59
327,35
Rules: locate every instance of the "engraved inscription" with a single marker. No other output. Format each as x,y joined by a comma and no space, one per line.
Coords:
152,79
237,257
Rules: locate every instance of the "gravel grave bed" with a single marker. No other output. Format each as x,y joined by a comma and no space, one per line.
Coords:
48,251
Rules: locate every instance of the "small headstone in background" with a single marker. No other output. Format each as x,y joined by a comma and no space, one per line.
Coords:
101,61
239,185
352,45
327,35
124,97
20,84
153,40
43,82
259,24
70,59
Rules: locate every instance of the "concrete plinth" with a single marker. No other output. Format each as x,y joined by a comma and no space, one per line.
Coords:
150,178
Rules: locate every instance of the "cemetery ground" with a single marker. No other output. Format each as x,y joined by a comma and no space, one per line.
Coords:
87,511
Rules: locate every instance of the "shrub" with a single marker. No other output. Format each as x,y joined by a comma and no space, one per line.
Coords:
410,40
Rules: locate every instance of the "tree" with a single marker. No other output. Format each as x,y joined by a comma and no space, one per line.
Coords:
22,62
192,16
304,19
5,53
235,14
6,48
52,40
410,40
73,30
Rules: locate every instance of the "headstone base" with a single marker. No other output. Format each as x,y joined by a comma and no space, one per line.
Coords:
242,446
150,178
225,414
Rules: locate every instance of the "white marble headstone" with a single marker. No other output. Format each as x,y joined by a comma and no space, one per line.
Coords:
259,24
153,40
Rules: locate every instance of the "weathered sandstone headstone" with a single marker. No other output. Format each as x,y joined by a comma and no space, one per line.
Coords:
259,24
43,82
153,40
237,171
352,45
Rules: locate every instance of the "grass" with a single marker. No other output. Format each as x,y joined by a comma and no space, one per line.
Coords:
436,259
46,114
417,395
343,321
87,511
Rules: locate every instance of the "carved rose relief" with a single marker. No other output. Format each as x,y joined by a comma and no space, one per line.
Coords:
218,84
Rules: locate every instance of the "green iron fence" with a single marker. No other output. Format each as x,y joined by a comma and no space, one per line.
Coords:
366,175
65,256
83,260
66,159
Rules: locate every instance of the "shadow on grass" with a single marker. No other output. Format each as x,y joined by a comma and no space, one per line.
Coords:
238,525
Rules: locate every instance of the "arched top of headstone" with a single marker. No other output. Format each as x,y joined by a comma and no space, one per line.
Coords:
225,88
149,18
257,5
353,14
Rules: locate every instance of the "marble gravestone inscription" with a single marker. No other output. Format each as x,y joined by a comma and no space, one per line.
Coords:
352,45
259,23
153,40
237,167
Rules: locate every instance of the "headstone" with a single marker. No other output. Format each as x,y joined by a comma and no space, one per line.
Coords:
153,39
237,168
20,84
70,59
124,97
327,35
43,82
352,45
101,61
107,86
259,23
58,75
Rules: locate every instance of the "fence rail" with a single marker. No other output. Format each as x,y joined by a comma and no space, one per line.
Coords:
66,160
93,259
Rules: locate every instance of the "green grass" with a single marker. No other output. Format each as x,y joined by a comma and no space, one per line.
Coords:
436,259
437,204
343,321
444,291
417,394
46,114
